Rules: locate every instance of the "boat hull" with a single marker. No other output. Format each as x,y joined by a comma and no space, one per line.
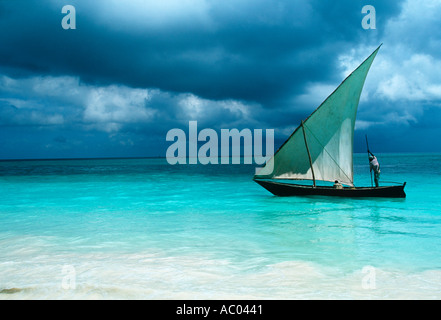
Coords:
287,189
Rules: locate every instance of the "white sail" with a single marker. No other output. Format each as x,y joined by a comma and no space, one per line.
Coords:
329,132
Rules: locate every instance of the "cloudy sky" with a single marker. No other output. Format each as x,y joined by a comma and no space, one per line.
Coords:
134,69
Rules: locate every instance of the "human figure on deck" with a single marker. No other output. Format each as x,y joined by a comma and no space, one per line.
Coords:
337,185
374,166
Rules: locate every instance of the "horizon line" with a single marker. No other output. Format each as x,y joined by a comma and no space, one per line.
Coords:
163,157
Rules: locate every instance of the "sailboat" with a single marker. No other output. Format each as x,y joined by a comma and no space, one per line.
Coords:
320,150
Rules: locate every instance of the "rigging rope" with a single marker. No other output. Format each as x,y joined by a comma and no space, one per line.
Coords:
323,147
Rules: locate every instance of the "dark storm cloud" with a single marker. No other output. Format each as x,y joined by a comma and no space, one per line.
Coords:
252,50
134,69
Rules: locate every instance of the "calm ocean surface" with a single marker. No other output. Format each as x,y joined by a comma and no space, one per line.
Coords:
143,229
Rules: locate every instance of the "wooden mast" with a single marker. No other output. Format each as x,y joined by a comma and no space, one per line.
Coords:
309,155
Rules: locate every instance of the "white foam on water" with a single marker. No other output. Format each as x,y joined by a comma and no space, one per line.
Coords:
36,271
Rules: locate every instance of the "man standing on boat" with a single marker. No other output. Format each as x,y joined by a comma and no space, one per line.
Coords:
375,166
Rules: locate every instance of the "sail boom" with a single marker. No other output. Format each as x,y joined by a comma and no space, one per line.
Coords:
301,179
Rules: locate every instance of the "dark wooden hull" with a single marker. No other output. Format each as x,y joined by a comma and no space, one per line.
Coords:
287,189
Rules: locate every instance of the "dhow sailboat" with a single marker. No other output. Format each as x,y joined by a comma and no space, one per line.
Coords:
321,149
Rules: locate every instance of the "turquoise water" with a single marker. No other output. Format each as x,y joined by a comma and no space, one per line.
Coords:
141,228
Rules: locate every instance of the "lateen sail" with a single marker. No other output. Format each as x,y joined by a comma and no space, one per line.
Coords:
329,134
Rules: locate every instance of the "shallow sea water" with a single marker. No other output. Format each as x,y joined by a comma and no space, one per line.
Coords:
143,229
